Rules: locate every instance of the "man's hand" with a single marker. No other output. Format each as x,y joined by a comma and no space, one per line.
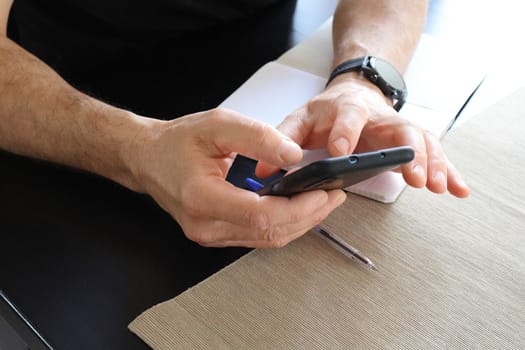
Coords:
353,115
183,164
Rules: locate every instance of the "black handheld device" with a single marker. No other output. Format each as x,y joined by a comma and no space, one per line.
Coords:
339,172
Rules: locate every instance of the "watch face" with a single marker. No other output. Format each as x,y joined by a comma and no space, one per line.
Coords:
389,74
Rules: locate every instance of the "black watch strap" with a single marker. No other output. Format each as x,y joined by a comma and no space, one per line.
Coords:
379,72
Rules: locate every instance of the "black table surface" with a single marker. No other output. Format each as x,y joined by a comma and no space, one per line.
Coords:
81,256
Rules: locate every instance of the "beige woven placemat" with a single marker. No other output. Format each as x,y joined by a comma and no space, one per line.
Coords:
451,272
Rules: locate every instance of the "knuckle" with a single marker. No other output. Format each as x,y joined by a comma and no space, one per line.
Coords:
202,238
318,218
428,134
403,124
295,217
218,115
314,103
348,98
355,104
435,153
189,200
199,233
260,221
192,232
322,105
261,132
280,243
437,162
275,237
405,128
270,235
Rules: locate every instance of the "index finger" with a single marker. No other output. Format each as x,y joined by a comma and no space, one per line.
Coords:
348,124
230,131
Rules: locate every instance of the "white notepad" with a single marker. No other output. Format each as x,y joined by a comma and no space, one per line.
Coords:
435,97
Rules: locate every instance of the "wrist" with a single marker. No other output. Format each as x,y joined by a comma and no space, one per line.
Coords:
353,81
380,73
139,133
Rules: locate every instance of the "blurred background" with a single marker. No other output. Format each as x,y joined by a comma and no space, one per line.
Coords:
493,31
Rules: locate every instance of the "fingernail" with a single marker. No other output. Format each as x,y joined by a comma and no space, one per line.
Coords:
439,177
462,183
341,199
418,170
341,145
290,152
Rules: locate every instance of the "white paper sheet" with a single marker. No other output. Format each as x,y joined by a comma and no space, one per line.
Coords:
273,92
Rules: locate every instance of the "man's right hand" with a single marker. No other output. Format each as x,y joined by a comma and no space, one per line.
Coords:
183,164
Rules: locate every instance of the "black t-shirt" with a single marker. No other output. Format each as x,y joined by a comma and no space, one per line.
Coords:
79,32
161,58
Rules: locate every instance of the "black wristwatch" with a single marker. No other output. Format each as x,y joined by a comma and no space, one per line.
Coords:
379,72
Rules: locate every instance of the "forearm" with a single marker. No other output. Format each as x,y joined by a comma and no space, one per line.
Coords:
389,29
44,117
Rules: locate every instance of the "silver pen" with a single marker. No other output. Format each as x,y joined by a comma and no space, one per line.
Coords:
344,247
